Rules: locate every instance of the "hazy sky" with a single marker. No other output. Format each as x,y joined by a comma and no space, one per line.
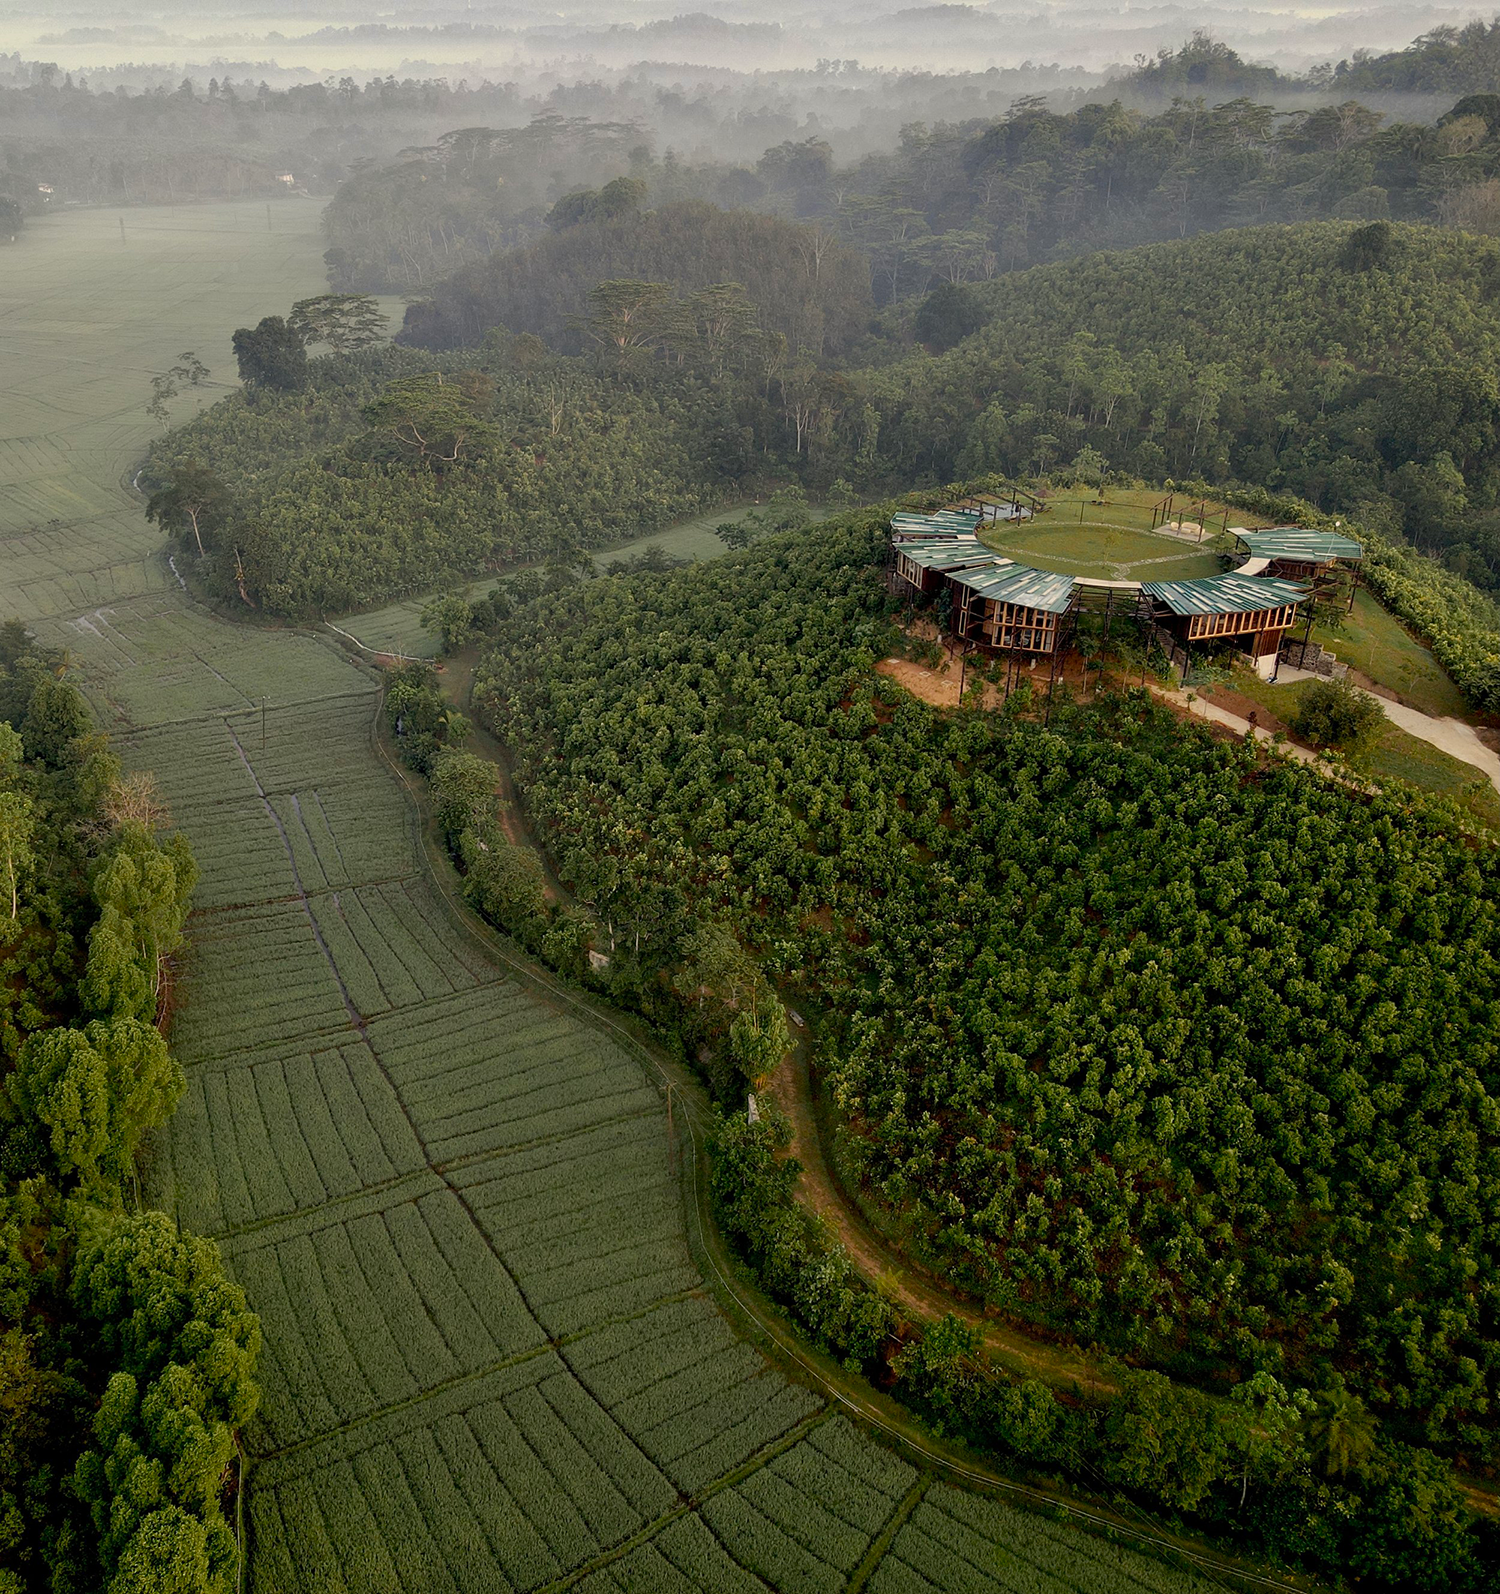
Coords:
499,39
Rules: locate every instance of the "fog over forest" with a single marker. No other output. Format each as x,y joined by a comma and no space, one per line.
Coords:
749,797
722,83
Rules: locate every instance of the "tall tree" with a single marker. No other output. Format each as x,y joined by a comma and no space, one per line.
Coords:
271,354
16,826
626,315
434,420
346,322
194,500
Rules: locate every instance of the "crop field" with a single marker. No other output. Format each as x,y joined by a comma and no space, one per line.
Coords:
955,1543
87,316
490,1361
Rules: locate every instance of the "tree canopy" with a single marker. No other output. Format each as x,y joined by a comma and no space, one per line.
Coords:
126,1357
1140,1038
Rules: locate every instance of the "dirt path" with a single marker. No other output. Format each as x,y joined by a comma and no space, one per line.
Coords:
938,687
893,1273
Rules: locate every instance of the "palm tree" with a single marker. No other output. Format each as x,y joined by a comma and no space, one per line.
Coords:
1341,1432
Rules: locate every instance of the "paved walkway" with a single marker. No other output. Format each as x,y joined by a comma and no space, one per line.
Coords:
1206,709
1454,737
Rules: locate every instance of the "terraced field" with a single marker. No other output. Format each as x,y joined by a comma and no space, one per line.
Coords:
490,1363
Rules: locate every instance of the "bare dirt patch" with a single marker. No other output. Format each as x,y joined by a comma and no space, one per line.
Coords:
938,687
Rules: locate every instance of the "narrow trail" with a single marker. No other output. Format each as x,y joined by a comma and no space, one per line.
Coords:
898,1278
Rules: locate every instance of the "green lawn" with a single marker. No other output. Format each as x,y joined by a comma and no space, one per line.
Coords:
1102,550
1396,755
1377,644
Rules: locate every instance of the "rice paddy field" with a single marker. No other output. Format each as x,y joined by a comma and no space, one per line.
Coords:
490,1360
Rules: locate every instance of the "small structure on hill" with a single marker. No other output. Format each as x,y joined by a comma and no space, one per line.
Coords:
920,569
1327,560
1252,613
1011,607
993,509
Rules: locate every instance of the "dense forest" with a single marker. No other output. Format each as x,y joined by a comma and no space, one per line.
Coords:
126,1357
966,201
1185,1098
1346,365
1447,60
387,470
1220,1102
965,198
806,288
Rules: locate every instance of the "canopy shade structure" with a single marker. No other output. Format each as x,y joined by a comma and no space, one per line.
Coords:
955,553
906,526
1298,544
1007,582
1231,594
1251,613
920,567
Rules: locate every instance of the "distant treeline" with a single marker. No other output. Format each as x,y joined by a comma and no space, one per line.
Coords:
954,201
1351,366
809,289
1446,60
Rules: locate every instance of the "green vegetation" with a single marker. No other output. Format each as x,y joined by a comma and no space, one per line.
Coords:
1392,754
1097,1079
1446,60
489,1358
1322,361
1335,714
1304,1480
802,286
1372,640
399,627
126,1358
1461,624
1349,380
354,487
1096,543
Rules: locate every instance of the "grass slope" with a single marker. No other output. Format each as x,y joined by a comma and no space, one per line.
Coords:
490,1363
1378,645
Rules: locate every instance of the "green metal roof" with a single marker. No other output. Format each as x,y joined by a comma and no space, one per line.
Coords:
1007,582
1296,542
952,554
1229,594
943,520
